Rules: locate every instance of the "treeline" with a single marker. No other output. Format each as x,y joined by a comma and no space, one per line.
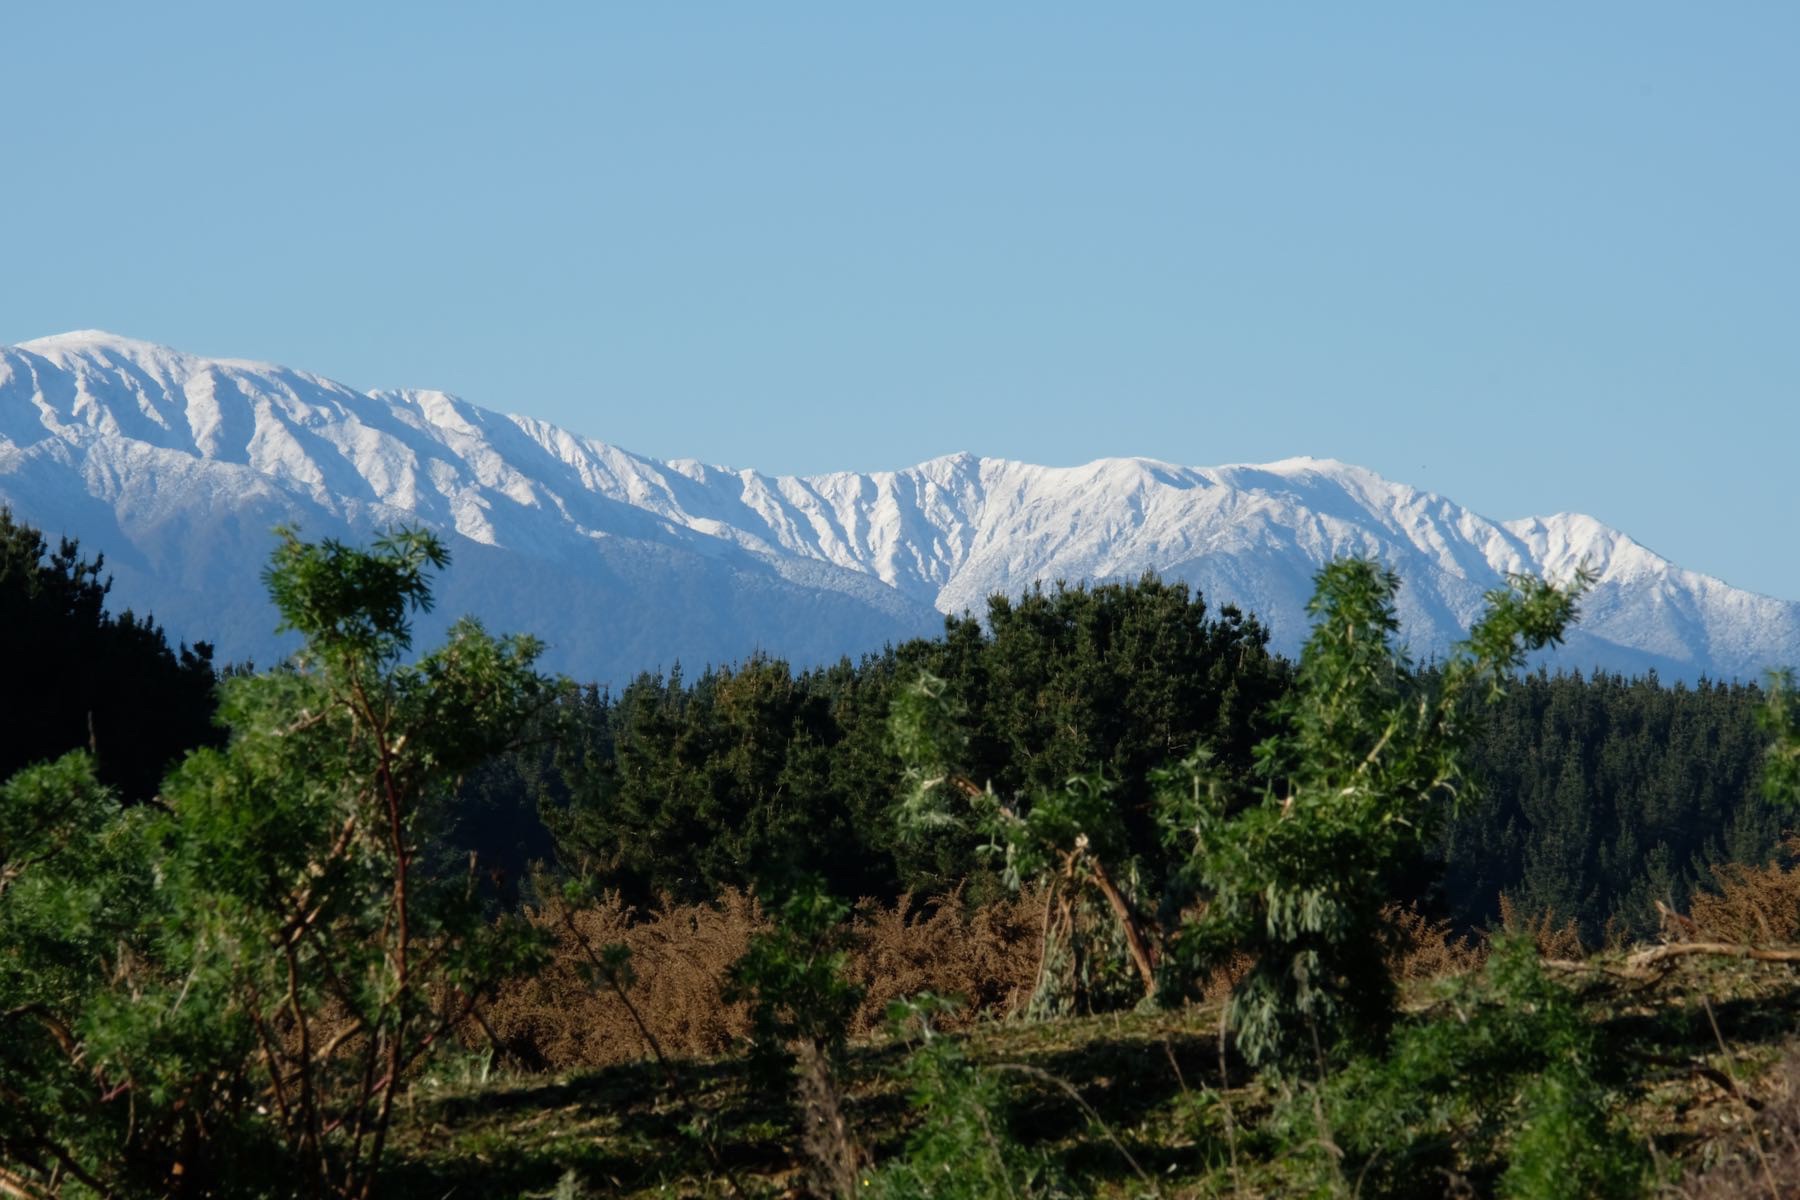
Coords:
1601,795
1595,796
684,787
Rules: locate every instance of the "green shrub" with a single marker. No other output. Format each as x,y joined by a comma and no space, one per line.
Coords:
230,993
1780,716
962,1148
1501,1082
794,975
801,1005
1367,761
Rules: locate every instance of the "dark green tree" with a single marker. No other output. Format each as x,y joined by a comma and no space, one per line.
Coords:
684,789
1600,796
1114,679
79,676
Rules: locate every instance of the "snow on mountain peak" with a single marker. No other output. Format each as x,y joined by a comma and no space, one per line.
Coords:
176,465
78,340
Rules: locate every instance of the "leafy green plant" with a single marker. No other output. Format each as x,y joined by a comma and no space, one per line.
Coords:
1780,716
794,975
247,977
1500,1082
962,1148
801,1004
1069,841
75,889
1367,762
1566,1147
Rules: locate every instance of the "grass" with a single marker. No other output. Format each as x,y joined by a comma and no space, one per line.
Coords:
1153,1079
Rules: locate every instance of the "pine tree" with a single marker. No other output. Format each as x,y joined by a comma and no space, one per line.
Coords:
80,677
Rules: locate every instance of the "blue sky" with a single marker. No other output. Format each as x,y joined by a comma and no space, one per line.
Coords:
1537,257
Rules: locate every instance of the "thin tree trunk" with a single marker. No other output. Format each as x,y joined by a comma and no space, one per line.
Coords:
1134,936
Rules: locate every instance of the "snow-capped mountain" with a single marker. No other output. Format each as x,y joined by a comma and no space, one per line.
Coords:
177,467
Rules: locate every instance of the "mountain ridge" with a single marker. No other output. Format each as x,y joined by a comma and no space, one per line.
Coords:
177,465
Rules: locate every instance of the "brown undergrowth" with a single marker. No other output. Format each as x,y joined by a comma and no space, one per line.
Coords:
1558,940
1420,948
1753,905
987,956
1698,1058
681,953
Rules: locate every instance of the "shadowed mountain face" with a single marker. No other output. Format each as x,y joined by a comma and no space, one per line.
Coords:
178,467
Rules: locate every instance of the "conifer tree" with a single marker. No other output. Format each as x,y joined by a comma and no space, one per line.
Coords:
79,677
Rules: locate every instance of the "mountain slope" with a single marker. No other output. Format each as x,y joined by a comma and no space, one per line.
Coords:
178,466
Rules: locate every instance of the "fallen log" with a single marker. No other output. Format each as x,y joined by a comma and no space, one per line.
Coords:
1659,954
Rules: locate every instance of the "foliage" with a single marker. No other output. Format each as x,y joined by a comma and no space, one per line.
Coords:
1753,905
685,785
1500,1082
1078,835
682,954
260,964
1059,840
499,808
74,886
1154,1079
684,788
962,1148
86,678
801,1004
1597,796
227,990
1367,762
793,975
1600,796
1780,717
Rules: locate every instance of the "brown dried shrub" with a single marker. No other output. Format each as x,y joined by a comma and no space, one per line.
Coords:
1420,948
1753,905
681,955
1553,940
987,956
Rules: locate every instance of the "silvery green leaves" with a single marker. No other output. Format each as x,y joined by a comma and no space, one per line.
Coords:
926,728
1780,716
1367,760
